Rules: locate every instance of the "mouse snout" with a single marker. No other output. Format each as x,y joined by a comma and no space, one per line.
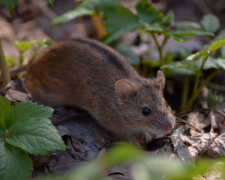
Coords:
168,127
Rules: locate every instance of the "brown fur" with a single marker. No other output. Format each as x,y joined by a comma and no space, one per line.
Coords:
84,73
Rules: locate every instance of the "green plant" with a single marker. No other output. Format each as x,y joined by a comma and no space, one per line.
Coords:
196,63
25,46
24,128
119,20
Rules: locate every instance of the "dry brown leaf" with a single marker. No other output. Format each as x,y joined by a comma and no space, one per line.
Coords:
186,153
217,147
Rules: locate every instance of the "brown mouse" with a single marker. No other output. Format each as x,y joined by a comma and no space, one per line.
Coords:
93,76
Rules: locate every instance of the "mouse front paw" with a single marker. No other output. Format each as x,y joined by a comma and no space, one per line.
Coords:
142,138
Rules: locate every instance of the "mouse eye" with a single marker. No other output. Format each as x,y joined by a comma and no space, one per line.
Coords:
146,111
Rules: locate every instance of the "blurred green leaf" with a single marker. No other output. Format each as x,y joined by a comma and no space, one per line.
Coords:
221,63
222,52
209,64
70,15
168,20
86,8
181,54
119,20
152,63
191,33
147,12
52,3
123,153
182,71
198,55
102,6
23,46
154,28
127,53
216,45
210,23
43,42
11,62
9,4
176,37
187,25
178,64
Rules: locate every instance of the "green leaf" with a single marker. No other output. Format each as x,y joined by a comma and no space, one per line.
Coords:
123,153
210,23
6,113
198,55
209,64
178,64
119,20
70,15
43,42
221,63
86,8
52,3
207,52
187,25
168,20
176,37
152,63
2,131
26,110
216,45
37,136
154,28
23,46
11,62
147,12
9,4
14,163
127,53
180,54
102,6
182,71
221,36
223,52
191,33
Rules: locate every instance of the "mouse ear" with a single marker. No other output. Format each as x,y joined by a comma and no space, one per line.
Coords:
125,89
160,79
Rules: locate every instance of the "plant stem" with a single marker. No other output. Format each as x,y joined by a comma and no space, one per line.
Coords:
34,54
198,91
185,91
199,72
160,48
4,70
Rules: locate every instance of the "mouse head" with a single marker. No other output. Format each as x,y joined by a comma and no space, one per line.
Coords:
143,106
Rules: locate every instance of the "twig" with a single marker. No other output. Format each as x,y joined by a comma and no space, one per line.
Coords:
220,112
185,122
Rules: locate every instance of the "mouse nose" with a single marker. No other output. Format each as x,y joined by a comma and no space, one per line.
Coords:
168,127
